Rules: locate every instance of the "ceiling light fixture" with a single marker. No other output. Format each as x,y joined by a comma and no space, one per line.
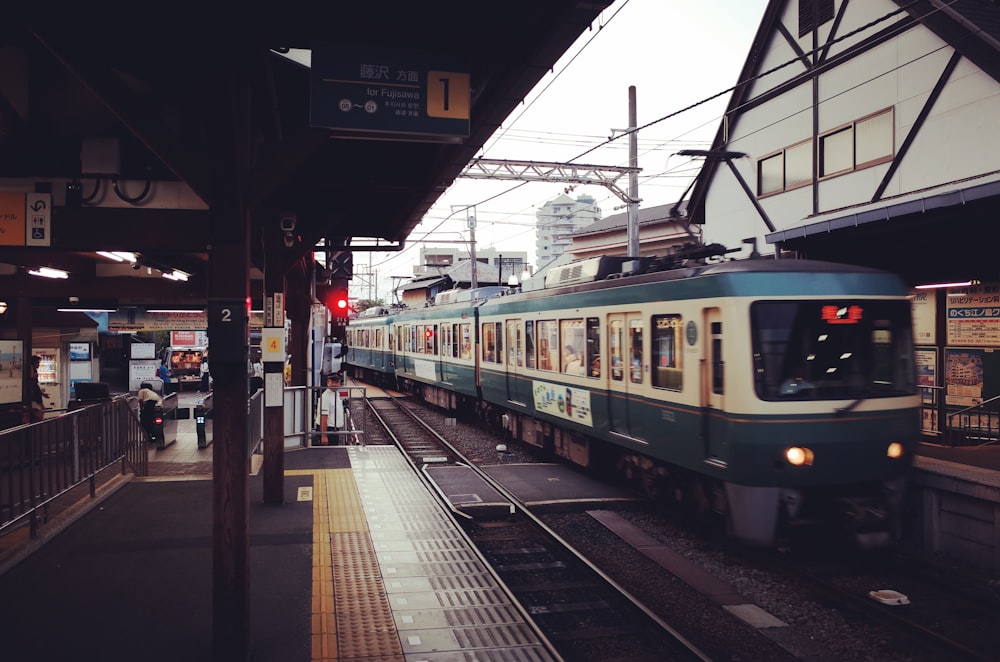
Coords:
3,307
86,310
48,272
118,256
175,275
936,286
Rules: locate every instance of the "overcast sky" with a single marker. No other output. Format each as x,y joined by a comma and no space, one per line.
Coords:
676,54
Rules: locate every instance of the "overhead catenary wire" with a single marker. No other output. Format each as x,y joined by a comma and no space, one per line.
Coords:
618,136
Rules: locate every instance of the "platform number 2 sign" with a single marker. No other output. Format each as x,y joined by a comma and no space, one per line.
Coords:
227,330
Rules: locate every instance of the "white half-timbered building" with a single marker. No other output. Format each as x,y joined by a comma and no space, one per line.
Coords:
865,131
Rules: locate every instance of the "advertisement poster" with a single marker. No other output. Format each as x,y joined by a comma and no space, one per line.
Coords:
929,424
134,320
927,375
974,316
963,376
572,404
11,366
923,308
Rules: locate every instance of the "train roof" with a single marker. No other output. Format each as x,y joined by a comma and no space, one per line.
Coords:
608,271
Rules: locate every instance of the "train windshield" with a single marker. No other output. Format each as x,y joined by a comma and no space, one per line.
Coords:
832,349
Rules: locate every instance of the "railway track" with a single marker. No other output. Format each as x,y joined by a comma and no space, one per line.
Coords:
945,618
581,612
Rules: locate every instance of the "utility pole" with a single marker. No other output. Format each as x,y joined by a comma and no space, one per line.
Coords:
633,180
470,217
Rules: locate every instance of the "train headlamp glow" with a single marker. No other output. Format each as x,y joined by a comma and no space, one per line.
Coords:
895,450
798,456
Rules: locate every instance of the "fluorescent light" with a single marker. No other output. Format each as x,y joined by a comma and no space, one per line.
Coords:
48,272
86,310
176,275
118,256
936,286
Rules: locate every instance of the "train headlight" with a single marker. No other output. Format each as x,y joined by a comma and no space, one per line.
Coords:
798,456
895,450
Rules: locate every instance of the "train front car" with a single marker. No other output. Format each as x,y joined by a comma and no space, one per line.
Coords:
820,415
776,393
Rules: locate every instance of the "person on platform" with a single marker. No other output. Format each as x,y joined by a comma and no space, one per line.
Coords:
257,376
163,372
37,404
149,402
331,412
206,378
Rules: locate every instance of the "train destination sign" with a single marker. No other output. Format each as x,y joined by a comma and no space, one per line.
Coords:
389,91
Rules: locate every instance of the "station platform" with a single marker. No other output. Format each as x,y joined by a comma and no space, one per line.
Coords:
360,563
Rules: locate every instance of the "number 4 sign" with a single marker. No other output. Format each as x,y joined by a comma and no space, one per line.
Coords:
272,345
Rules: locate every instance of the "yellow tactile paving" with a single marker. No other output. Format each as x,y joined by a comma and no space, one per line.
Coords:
351,618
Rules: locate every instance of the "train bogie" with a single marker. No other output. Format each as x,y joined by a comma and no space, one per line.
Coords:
761,390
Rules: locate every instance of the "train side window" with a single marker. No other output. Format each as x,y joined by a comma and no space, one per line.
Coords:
593,347
616,345
492,342
529,343
499,349
489,346
635,351
466,351
667,353
717,362
548,345
515,344
430,336
572,343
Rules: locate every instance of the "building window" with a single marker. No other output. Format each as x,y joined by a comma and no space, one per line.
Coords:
874,139
788,169
863,143
798,165
836,152
771,174
814,13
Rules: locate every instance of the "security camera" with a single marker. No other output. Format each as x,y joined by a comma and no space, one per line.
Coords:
287,221
136,266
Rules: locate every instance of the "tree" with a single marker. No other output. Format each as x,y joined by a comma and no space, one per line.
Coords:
365,304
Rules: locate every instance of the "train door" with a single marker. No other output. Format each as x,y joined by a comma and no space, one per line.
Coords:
625,352
713,385
516,388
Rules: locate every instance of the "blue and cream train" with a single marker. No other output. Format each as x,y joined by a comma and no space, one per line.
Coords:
777,393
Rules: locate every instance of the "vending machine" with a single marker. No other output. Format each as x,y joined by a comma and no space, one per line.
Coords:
81,366
49,378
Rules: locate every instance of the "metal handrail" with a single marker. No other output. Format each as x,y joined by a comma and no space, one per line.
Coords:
40,462
978,424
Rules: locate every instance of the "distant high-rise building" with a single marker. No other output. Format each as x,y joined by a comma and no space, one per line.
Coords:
556,223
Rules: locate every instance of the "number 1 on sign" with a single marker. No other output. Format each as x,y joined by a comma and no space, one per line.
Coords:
448,95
